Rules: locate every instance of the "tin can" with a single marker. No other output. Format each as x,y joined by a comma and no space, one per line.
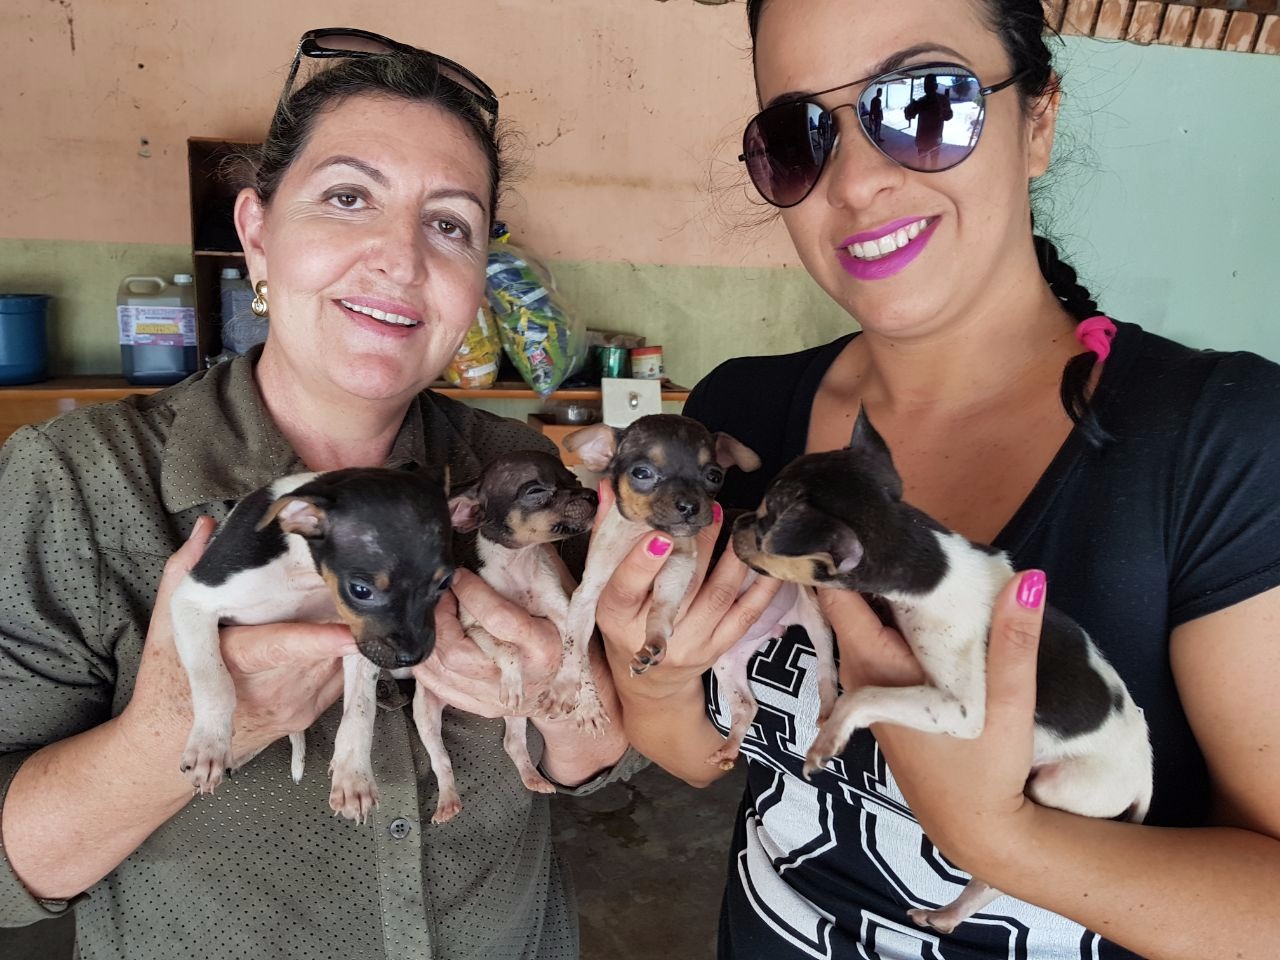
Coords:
646,363
612,361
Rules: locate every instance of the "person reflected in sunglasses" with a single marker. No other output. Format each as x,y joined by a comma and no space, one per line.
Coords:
930,112
1139,473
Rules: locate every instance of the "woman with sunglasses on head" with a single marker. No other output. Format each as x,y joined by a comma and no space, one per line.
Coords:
1139,475
365,231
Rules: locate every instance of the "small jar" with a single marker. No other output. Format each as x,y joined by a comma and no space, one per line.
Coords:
646,363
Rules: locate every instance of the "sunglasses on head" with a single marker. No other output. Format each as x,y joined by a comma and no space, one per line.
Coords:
329,42
925,118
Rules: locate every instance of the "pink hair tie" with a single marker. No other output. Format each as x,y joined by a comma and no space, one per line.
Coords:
1096,334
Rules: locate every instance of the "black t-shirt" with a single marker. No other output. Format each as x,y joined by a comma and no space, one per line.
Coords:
1177,518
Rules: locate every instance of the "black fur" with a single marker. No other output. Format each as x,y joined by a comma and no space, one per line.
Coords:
239,546
1071,697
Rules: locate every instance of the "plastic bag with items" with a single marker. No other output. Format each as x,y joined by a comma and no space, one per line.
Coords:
475,365
545,341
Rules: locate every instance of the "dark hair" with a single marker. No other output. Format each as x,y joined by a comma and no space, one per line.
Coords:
407,76
1021,27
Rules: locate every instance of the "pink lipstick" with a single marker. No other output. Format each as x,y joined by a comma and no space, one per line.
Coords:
886,251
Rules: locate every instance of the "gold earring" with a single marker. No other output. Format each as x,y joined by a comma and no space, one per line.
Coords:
259,304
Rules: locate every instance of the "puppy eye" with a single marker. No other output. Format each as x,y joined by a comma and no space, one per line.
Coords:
715,475
443,585
642,473
537,493
360,590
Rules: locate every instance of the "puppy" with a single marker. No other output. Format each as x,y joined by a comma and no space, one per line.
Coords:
367,547
521,504
666,471
837,520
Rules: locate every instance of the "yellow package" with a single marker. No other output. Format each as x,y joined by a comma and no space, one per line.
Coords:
475,365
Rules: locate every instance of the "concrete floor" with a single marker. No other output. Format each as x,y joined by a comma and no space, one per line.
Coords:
648,860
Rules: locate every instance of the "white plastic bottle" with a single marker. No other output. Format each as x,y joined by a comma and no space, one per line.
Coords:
157,321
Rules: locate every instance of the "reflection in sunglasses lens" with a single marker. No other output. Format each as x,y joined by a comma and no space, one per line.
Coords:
923,120
786,147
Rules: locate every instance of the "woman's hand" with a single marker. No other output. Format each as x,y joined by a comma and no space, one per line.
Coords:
285,674
463,675
967,794
714,615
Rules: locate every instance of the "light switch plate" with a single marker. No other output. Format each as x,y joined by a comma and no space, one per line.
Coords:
626,400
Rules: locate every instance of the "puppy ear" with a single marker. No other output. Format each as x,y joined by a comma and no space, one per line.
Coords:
801,531
596,445
465,512
305,516
730,452
874,454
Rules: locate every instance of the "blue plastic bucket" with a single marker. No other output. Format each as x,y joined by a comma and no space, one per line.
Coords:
24,341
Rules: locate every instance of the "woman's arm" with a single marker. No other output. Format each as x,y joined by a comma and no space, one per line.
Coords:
1161,892
78,807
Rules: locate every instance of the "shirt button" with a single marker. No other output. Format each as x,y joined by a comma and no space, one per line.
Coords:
400,828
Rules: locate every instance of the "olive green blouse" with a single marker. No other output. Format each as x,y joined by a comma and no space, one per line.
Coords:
93,503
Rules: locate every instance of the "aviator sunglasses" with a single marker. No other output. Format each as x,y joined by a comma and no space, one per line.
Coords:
924,118
329,42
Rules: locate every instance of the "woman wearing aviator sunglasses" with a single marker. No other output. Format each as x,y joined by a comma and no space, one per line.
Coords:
365,228
1138,474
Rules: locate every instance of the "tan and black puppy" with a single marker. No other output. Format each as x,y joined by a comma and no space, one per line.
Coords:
522,503
666,471
369,547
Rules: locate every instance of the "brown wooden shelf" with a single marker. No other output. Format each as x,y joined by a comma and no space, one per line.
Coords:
109,388
35,402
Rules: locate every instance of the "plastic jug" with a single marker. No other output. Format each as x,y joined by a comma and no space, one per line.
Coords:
157,322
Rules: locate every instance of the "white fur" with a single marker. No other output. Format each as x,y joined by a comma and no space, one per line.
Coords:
573,685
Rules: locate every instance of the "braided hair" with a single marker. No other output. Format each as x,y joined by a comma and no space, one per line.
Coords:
1021,27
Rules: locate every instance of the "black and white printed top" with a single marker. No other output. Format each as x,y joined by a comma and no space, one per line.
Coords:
1176,519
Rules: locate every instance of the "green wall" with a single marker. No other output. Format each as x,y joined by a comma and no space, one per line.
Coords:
1166,193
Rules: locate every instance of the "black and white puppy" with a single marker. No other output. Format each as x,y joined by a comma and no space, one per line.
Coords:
369,547
666,471
522,503
838,520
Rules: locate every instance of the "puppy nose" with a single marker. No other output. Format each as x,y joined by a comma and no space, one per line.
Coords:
687,508
406,659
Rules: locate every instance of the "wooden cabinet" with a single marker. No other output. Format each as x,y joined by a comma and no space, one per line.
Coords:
214,170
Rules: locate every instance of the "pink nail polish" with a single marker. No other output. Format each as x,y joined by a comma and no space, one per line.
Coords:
658,547
1031,589
717,512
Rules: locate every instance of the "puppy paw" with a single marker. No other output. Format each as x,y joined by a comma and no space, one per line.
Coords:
207,758
511,695
650,655
536,782
447,807
561,698
944,921
590,712
725,758
353,793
